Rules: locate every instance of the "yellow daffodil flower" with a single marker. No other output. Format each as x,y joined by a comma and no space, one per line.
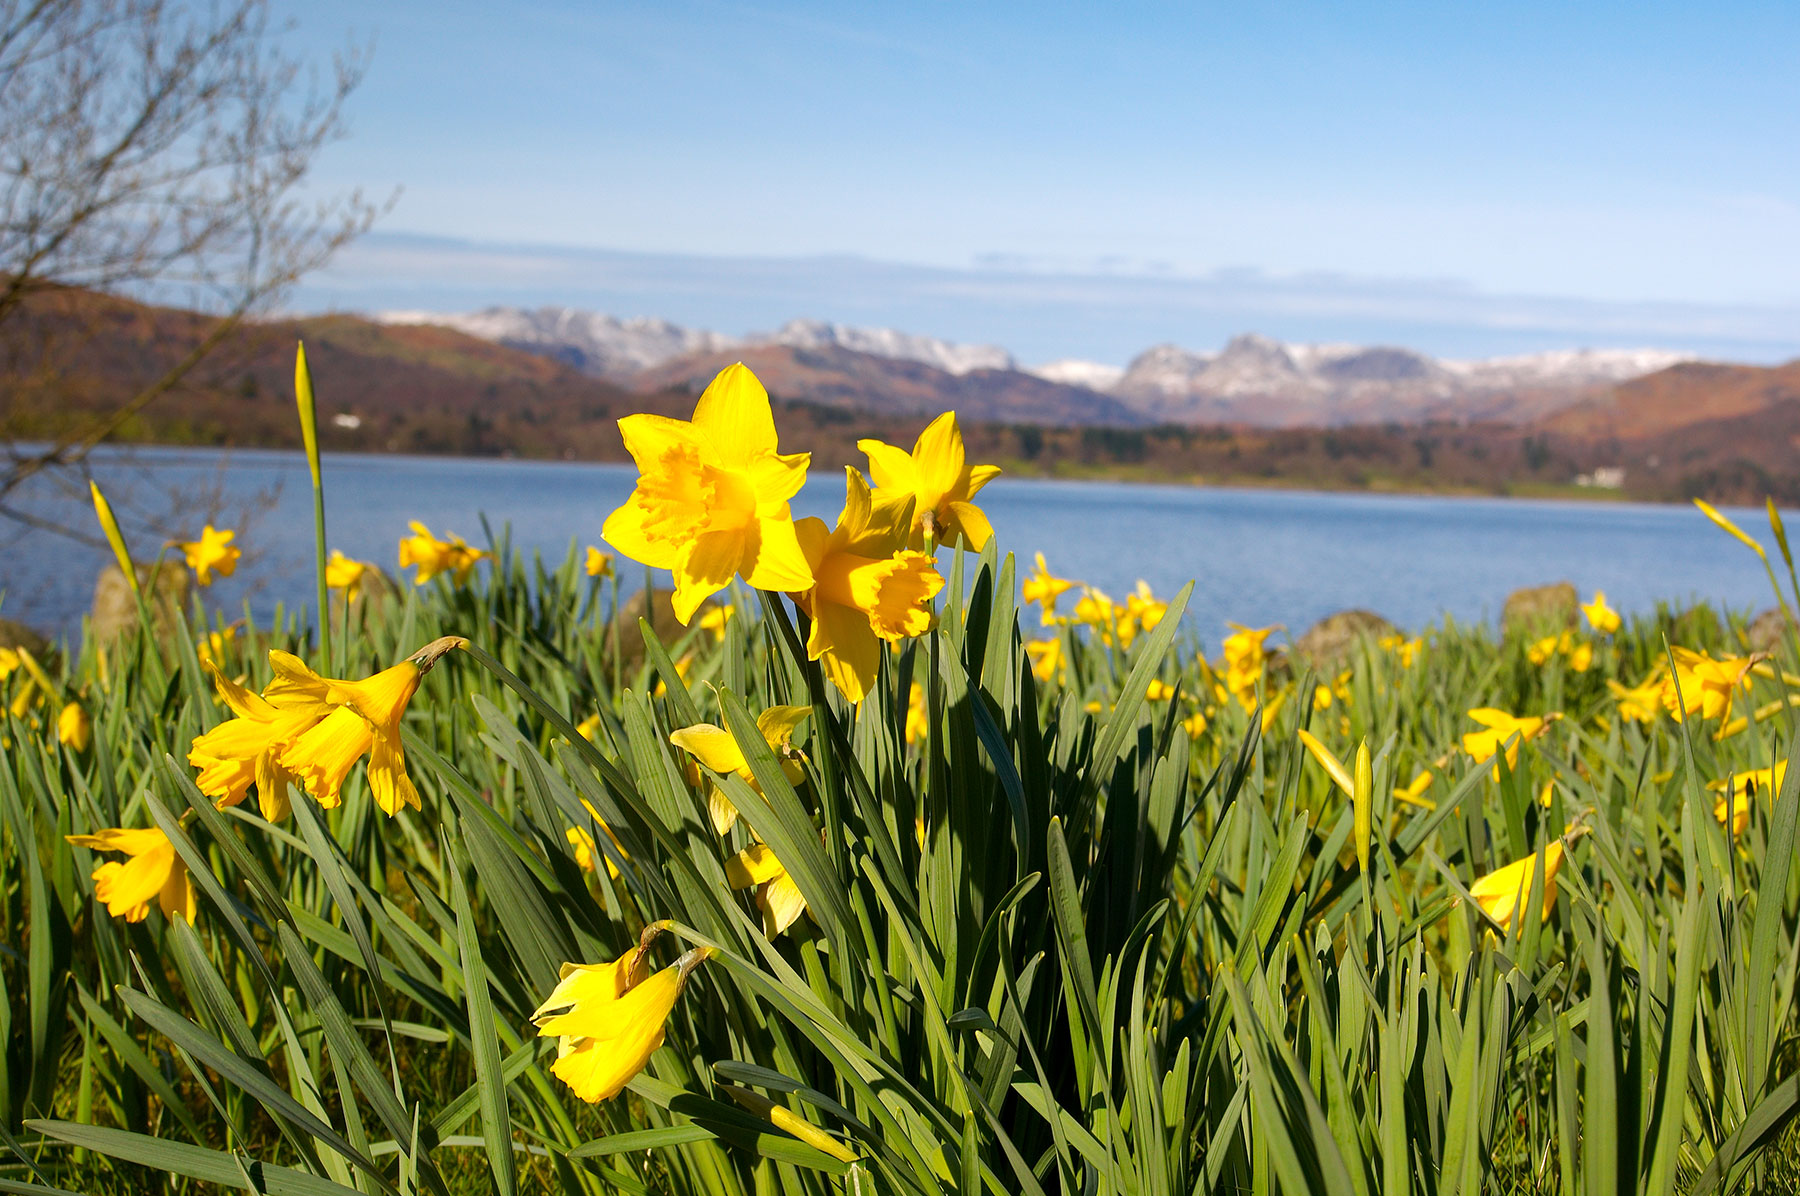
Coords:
611,1018
434,556
587,852
211,553
1404,649
1601,617
712,495
1578,652
246,750
714,747
918,718
153,873
1413,792
216,644
1159,691
1194,724
1641,703
73,729
1046,656
869,587
1503,890
355,718
1735,800
599,564
1501,727
776,893
1245,661
940,482
1044,589
714,620
1703,686
588,727
343,573
1143,609
9,662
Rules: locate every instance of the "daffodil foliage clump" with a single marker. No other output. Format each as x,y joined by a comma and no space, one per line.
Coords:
896,868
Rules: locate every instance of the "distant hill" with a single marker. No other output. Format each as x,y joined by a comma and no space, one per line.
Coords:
1728,433
1254,380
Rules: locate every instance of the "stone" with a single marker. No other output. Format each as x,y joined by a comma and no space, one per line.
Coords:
1541,610
14,634
1330,644
1768,630
165,590
662,620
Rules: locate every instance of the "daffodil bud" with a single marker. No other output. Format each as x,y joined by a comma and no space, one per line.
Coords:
1362,801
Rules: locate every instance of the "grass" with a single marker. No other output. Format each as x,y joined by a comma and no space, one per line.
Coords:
1059,938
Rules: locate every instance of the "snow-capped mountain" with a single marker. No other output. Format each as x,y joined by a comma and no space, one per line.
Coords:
885,342
621,348
1252,380
1261,381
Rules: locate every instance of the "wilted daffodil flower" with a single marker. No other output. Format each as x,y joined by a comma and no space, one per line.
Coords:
153,873
1500,727
1601,617
1502,891
714,747
354,718
1703,687
211,553
939,480
246,750
869,587
712,495
777,896
611,1018
434,556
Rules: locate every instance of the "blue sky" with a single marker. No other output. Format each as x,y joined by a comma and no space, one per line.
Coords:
1518,176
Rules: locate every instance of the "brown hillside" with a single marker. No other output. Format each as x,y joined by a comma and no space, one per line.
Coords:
1679,397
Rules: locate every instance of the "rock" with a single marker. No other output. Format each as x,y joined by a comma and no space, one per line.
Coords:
1330,643
1768,631
668,629
1540,610
165,589
16,635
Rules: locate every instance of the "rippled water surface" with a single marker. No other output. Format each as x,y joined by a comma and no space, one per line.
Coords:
1257,556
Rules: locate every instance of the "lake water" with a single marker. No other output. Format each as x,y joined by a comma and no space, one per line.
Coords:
1258,556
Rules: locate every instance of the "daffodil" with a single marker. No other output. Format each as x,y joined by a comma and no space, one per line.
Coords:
587,852
1601,617
1702,687
1501,727
588,727
712,495
918,718
1578,652
1413,792
1159,691
784,1118
611,1018
354,718
714,747
715,618
1405,650
9,662
73,729
1046,656
1735,799
599,564
1143,609
776,893
1245,661
246,750
1502,891
938,478
1194,724
434,556
216,644
869,587
211,553
153,873
1641,703
343,573
1044,589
